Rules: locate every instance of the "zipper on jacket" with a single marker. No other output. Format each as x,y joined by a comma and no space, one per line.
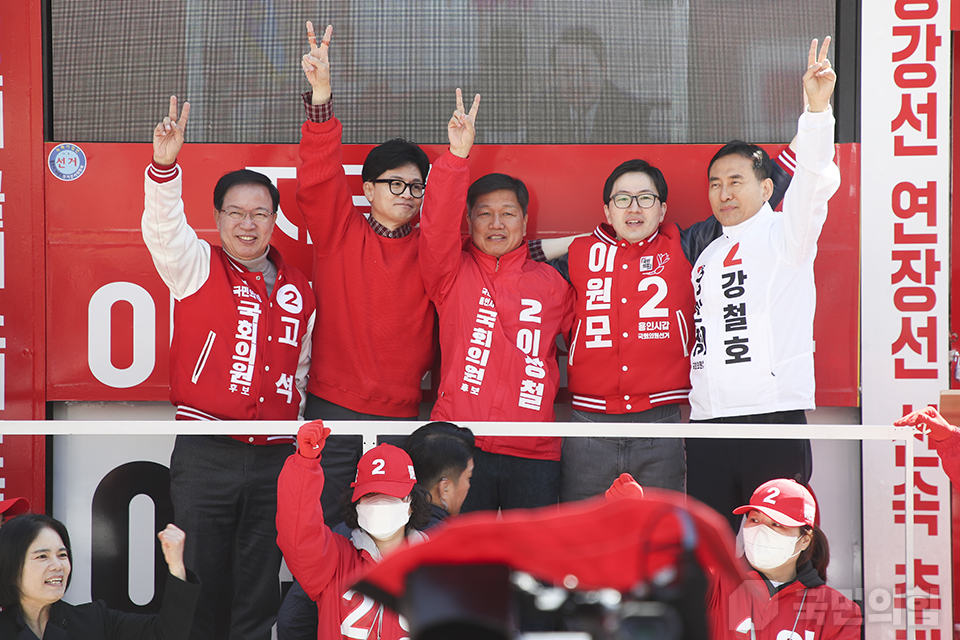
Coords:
202,360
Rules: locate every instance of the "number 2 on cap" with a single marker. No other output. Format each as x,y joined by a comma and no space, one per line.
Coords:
378,465
772,494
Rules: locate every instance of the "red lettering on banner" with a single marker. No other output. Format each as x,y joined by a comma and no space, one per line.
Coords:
926,511
917,341
927,10
930,600
914,33
731,260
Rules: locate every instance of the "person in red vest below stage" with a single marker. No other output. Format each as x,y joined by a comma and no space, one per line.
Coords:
788,556
945,437
386,511
500,314
243,320
376,327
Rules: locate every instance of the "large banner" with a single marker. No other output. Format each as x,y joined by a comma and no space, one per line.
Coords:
109,313
905,128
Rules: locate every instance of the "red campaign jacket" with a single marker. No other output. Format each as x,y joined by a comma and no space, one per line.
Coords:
235,350
499,319
631,346
806,609
949,451
375,328
325,563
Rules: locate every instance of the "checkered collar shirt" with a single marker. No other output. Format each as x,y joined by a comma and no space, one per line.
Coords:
322,113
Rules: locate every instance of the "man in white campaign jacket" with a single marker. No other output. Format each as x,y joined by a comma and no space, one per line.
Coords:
752,360
243,321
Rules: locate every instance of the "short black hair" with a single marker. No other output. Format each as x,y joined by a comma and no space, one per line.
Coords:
762,165
16,537
636,166
439,450
394,154
243,176
497,182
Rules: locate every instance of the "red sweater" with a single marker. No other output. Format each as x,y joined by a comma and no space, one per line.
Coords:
499,320
375,331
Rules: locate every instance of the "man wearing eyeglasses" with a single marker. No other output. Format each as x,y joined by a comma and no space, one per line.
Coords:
376,325
243,322
630,357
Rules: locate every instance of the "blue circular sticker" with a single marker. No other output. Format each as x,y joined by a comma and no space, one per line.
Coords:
67,162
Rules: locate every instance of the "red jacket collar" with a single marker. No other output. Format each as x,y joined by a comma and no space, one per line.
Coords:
508,262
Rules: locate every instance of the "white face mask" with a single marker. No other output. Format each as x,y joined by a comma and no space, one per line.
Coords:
381,515
767,549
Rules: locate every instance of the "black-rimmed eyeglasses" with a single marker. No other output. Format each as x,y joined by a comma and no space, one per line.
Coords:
644,200
397,187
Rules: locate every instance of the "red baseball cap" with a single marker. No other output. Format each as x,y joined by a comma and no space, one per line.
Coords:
384,469
786,502
14,507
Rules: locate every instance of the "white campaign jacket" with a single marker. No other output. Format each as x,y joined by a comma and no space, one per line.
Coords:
755,295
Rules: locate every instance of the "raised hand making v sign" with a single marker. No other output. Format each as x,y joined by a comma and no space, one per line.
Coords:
820,78
461,130
316,64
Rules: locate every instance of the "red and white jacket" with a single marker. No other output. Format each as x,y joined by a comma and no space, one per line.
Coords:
631,347
237,353
806,609
499,320
325,563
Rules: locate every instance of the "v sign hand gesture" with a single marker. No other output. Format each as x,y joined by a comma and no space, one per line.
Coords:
461,129
820,78
316,64
168,136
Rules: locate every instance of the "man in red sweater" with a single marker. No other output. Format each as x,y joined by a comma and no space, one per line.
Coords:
376,329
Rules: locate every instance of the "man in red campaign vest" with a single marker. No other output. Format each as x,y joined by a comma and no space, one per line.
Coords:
243,322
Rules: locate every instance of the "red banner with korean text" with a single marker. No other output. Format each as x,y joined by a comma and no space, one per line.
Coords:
109,327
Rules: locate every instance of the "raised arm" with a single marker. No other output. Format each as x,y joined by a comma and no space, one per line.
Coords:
172,540
816,177
323,194
181,258
444,202
309,547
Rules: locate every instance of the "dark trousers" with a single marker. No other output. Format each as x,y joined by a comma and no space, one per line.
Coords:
224,495
588,466
723,473
509,482
341,454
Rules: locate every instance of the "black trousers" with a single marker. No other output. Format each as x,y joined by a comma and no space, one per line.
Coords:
723,473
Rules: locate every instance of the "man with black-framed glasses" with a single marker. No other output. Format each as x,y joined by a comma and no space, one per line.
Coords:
243,326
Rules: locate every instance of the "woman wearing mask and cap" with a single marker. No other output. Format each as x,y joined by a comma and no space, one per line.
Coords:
787,597
386,511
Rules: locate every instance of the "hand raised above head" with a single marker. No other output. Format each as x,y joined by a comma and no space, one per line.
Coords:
461,130
316,63
168,135
820,79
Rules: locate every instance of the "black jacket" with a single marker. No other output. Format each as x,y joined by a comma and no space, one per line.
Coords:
94,621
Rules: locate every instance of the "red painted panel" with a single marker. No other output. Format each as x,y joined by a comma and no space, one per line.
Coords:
94,240
22,469
22,353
